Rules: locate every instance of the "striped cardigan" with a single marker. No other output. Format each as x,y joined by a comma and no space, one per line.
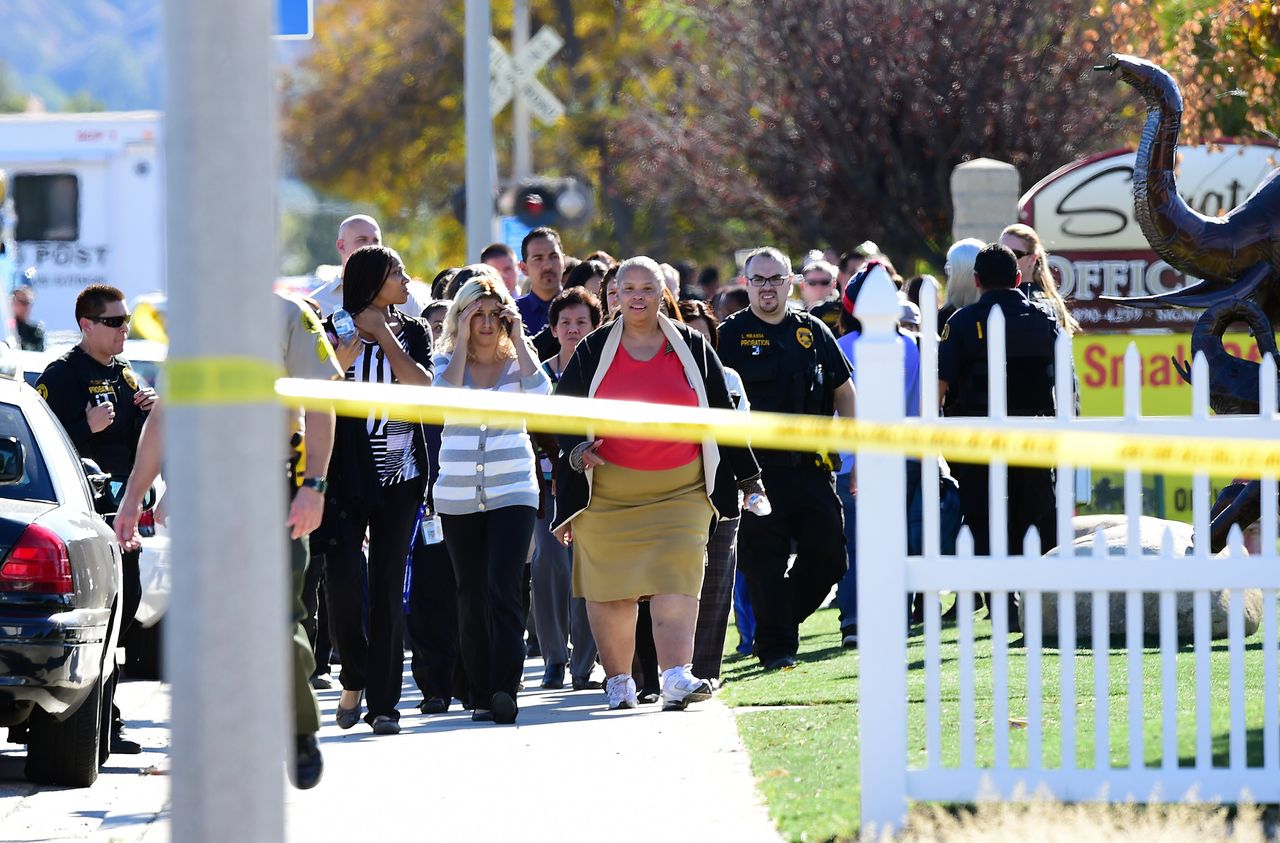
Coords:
485,467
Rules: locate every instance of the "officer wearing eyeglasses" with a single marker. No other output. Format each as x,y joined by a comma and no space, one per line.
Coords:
789,363
99,400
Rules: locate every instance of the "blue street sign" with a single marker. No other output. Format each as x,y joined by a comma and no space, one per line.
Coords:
513,232
295,19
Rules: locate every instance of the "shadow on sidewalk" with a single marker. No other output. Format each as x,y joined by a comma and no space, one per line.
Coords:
538,707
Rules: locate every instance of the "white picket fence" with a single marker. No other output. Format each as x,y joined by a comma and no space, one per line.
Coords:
899,763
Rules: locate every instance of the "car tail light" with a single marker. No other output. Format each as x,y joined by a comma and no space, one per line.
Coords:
37,564
147,524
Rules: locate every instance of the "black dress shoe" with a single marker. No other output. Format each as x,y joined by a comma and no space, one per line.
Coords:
553,677
308,763
504,708
434,705
648,695
120,745
481,715
581,683
780,663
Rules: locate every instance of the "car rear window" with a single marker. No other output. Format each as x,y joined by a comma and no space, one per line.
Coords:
35,484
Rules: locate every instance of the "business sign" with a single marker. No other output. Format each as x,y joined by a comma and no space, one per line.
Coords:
1084,214
295,20
1099,361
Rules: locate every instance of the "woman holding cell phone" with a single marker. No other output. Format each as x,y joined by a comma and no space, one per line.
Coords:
487,490
376,482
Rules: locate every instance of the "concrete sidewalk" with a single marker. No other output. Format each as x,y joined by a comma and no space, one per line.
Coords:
568,770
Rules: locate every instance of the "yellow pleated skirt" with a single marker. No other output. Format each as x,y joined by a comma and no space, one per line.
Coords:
644,533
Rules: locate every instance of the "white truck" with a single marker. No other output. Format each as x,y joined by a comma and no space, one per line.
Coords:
86,197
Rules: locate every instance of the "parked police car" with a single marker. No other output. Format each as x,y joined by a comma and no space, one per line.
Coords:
60,574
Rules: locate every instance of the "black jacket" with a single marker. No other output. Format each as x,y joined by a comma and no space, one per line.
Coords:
352,473
736,464
75,379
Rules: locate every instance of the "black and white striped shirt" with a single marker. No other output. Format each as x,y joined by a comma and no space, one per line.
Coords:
390,439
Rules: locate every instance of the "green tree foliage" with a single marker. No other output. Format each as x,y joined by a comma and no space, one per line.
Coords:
712,125
842,120
1225,55
375,115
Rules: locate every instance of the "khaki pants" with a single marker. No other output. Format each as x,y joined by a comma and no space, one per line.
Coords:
306,713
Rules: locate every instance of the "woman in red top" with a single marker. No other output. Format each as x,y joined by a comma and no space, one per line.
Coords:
639,511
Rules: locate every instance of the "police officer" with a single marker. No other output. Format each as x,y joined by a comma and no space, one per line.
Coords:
789,363
306,353
97,397
1030,332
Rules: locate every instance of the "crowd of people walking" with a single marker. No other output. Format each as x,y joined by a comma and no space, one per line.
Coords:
617,560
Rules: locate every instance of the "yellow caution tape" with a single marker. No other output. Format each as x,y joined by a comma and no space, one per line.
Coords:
204,381
600,417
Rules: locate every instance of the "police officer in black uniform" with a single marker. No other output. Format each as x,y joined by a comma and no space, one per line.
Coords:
98,399
789,363
1030,332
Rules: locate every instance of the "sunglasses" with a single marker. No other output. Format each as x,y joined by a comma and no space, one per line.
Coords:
111,321
1019,254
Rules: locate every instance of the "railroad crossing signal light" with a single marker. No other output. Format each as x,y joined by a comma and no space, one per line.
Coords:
547,201
536,205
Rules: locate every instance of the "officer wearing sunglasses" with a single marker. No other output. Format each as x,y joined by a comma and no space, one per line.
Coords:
101,403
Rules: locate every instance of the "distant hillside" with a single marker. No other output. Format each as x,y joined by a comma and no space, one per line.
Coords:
111,50
108,49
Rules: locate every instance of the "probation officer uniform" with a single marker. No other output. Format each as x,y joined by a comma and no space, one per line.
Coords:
67,385
791,367
306,353
1030,332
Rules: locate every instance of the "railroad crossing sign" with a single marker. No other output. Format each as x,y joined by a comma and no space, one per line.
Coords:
514,76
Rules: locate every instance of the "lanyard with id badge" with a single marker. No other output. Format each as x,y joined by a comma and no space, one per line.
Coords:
428,532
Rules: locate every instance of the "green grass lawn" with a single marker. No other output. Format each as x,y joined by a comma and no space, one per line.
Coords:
801,725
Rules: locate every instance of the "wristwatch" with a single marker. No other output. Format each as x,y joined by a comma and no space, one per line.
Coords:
320,484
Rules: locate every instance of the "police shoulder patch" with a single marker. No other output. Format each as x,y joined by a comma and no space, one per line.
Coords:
43,391
309,321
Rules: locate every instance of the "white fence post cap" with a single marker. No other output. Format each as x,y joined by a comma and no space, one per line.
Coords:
877,306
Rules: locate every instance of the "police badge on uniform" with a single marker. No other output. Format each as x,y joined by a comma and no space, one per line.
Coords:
805,337
129,377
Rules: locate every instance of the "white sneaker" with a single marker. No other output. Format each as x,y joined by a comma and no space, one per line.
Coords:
680,687
621,690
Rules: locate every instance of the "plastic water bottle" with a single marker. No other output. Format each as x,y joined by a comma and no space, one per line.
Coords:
343,324
758,504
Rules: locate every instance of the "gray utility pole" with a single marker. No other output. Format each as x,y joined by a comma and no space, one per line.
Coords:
522,159
478,23
227,628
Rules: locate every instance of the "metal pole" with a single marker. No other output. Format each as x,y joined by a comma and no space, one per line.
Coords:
227,628
522,161
479,128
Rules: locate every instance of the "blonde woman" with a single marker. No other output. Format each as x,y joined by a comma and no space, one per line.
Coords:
1037,281
961,290
486,493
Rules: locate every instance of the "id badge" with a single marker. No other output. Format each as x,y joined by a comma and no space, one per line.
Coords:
432,531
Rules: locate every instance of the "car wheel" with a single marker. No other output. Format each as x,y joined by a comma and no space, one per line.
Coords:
66,752
142,652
